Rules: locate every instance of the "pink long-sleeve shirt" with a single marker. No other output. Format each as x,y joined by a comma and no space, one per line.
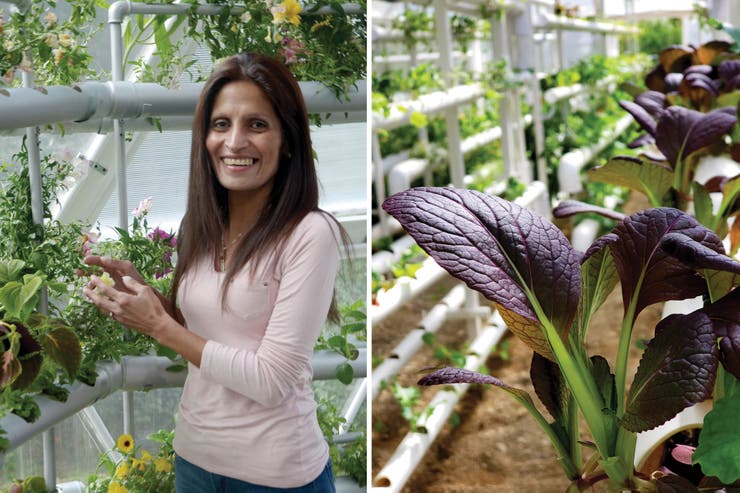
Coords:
249,412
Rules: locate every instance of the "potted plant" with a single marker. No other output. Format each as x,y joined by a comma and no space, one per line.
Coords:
547,292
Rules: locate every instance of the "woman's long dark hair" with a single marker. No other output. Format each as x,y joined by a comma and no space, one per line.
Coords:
295,190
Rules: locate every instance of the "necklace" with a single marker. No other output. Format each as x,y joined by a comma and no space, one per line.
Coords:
224,247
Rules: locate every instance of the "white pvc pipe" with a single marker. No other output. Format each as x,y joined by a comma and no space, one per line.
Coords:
404,59
410,345
552,21
72,487
401,176
405,289
569,171
353,405
434,102
399,468
584,234
24,107
382,260
139,373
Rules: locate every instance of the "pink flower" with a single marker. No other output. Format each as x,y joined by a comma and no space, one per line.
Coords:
88,239
291,49
158,234
143,208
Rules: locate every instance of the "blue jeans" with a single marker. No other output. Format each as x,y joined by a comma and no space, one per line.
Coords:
190,478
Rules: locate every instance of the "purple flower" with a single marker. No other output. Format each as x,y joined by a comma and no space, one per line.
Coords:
158,234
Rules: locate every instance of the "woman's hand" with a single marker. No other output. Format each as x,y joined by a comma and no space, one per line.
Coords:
130,302
116,268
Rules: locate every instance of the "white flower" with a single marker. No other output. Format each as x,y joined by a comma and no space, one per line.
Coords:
8,45
66,40
143,208
246,17
50,18
51,40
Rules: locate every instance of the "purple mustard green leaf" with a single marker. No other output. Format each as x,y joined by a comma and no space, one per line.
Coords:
675,484
642,140
697,254
672,81
699,81
681,131
550,387
725,317
600,243
653,102
647,177
641,116
450,375
677,370
719,441
568,208
699,69
645,270
499,249
598,279
728,71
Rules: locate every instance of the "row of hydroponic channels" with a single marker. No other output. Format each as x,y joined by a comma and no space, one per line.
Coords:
420,117
140,116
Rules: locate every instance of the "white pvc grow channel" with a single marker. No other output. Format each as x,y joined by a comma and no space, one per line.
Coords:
399,468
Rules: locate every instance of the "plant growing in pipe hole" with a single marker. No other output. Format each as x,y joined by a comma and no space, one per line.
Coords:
547,293
353,324
689,113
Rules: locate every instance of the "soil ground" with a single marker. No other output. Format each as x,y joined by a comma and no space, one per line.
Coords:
497,446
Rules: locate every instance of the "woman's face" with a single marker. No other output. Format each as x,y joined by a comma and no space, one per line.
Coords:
244,140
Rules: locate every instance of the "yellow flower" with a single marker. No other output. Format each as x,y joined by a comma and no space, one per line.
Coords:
125,443
287,11
325,23
122,470
114,487
146,456
162,465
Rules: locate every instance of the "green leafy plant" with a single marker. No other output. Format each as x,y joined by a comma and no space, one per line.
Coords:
325,48
547,294
32,484
151,250
55,49
348,459
414,24
408,399
353,327
34,347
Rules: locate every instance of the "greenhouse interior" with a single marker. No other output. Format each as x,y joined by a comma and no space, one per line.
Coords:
527,157
537,289
97,114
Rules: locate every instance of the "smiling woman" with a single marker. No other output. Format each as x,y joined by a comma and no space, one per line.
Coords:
252,289
244,144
